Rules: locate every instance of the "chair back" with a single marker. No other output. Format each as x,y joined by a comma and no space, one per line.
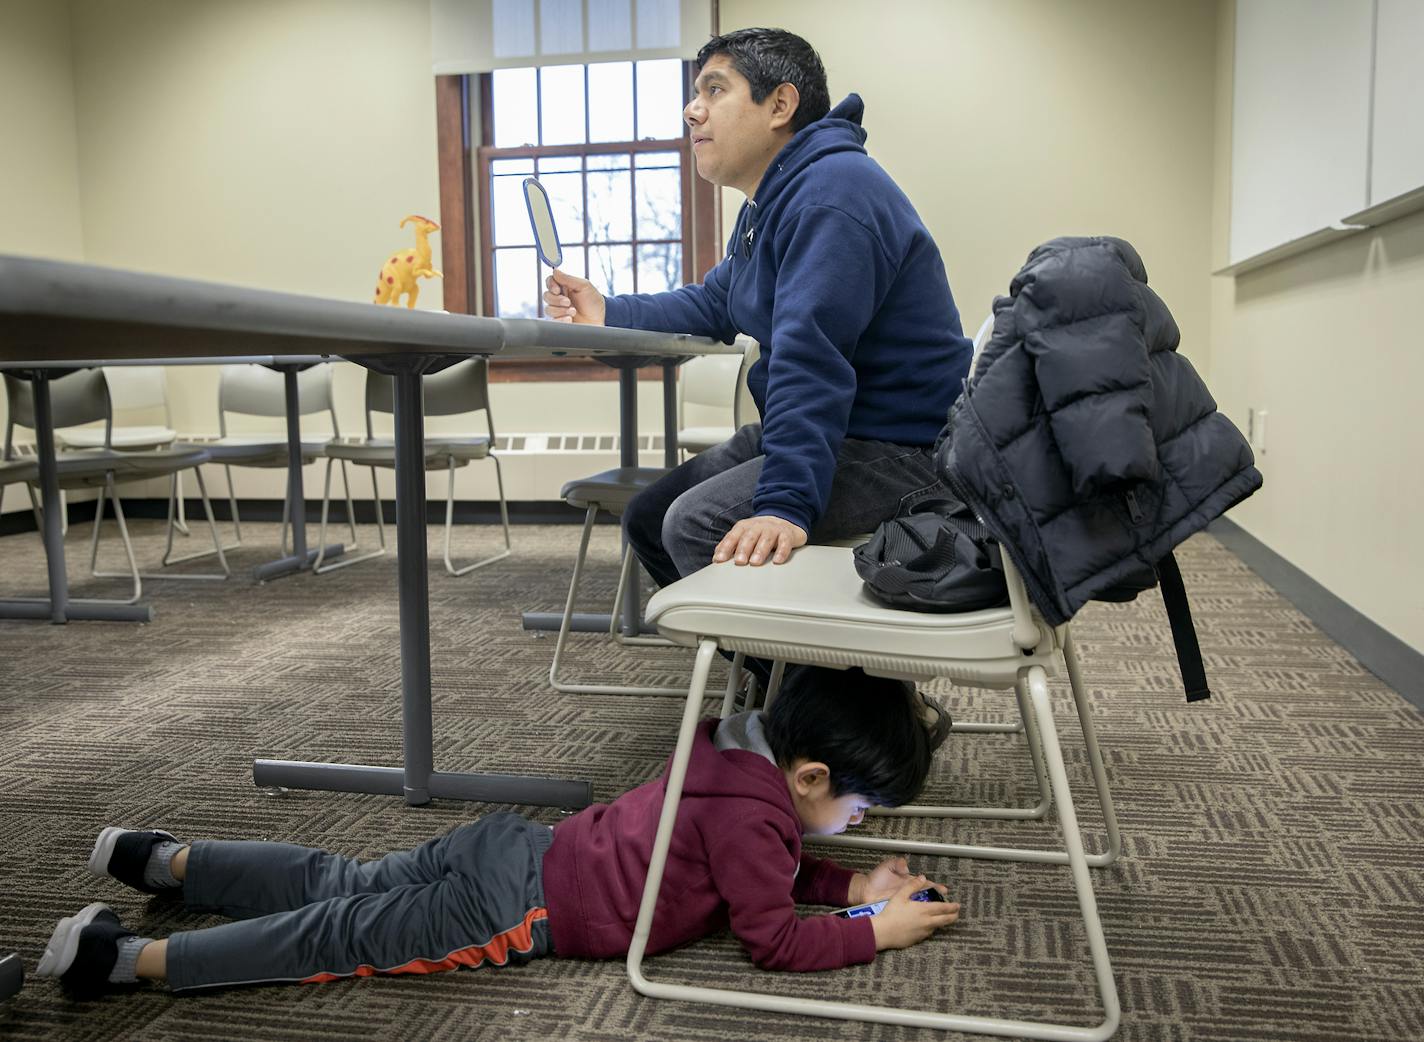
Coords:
137,386
744,408
710,386
255,390
986,329
463,387
74,399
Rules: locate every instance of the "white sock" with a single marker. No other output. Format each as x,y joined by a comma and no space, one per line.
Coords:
159,870
125,965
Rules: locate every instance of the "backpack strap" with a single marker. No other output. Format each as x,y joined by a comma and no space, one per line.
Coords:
1184,633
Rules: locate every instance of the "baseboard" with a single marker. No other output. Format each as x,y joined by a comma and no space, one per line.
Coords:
470,512
1379,651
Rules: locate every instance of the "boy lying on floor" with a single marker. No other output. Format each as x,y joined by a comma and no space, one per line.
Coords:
833,744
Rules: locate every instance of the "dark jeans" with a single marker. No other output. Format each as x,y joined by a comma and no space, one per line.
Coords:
676,523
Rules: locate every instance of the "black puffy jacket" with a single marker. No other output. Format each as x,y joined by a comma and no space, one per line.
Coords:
1085,443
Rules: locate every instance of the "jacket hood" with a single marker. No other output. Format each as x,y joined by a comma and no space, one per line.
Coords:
838,131
735,773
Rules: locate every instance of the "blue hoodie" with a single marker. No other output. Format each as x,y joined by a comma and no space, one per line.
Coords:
834,274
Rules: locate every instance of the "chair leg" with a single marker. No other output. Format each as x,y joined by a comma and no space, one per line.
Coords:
167,559
615,630
350,506
220,551
734,681
450,522
182,523
318,568
123,535
566,624
232,505
1074,857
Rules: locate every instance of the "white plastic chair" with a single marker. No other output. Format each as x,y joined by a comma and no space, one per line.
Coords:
462,388
711,387
813,609
132,389
255,390
81,398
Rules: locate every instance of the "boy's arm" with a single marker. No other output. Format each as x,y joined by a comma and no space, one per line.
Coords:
755,874
821,881
698,309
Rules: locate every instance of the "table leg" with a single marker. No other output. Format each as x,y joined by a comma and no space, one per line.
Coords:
59,608
628,457
300,558
417,781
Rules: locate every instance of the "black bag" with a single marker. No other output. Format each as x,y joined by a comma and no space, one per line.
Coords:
937,557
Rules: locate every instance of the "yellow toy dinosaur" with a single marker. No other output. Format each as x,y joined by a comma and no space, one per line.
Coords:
398,274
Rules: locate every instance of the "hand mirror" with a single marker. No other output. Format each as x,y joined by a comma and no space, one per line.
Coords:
541,217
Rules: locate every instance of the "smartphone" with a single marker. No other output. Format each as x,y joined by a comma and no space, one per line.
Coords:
929,893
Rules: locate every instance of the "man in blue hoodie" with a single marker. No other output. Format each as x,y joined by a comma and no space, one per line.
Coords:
834,274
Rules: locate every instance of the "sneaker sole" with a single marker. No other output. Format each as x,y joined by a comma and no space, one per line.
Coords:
63,944
104,847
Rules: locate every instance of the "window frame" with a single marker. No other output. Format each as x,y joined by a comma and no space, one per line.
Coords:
700,212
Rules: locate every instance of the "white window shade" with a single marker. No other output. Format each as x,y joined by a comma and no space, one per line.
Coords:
469,36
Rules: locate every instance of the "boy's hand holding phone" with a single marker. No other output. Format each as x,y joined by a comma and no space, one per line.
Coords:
882,881
904,921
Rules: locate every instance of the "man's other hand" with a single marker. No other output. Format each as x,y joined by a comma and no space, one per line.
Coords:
754,539
568,298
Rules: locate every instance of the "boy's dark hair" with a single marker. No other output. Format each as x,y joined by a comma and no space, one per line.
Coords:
876,735
770,57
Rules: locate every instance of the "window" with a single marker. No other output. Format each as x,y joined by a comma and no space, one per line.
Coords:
608,142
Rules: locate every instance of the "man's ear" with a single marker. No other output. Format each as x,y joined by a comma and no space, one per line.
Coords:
810,777
785,100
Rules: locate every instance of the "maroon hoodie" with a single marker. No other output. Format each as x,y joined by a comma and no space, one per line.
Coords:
735,860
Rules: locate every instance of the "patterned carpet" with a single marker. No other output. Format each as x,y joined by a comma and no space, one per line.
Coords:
1271,884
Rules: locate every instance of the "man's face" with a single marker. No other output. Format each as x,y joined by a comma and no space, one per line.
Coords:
733,138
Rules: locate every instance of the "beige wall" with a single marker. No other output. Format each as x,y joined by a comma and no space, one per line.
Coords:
1008,122
39,171
1328,344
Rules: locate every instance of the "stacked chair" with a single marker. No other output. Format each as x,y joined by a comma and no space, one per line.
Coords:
460,389
83,398
255,390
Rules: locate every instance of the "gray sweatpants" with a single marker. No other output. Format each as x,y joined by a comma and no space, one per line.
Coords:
472,896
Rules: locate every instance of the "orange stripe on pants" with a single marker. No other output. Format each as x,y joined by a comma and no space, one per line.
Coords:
496,950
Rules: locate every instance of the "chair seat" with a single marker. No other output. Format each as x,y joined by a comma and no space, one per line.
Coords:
439,450
814,609
254,451
610,490
700,439
87,467
121,437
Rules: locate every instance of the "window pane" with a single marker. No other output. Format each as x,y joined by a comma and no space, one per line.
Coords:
608,161
659,202
659,267
560,26
562,101
515,120
510,213
566,202
516,280
610,101
610,206
659,99
611,268
549,164
512,166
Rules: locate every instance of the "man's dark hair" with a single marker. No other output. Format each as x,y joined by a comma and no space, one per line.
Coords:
876,735
767,58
